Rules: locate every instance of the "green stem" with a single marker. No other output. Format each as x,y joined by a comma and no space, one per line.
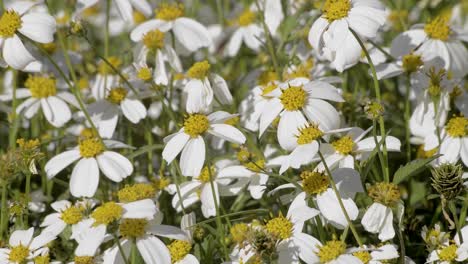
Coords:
219,11
119,245
27,192
340,201
106,33
453,210
407,119
3,216
134,253
14,125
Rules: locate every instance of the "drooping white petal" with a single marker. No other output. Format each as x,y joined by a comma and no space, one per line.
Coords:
15,53
227,132
133,109
59,162
39,27
56,111
138,32
191,34
115,166
153,250
193,157
174,146
85,178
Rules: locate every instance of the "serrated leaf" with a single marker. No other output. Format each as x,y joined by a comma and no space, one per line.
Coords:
412,168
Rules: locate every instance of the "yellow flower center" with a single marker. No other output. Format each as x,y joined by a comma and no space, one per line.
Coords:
28,144
18,254
336,9
457,126
117,95
246,18
161,183
344,145
107,213
363,256
256,165
438,28
448,253
104,68
293,98
84,260
133,228
154,40
411,62
41,86
436,77
199,70
280,227
314,182
90,147
309,134
72,215
270,87
267,77
9,23
302,70
196,124
206,174
42,259
239,232
250,160
138,17
179,249
170,12
138,191
144,74
331,250
385,193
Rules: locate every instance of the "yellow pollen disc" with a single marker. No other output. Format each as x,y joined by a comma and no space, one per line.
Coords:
448,253
161,183
138,17
84,260
90,147
239,232
302,70
438,28
257,165
246,18
138,191
385,193
133,228
117,95
344,145
144,74
199,70
331,250
243,155
411,62
104,68
309,134
250,160
457,126
40,86
178,250
18,254
107,213
205,174
267,77
170,12
293,98
336,9
154,40
42,259
314,182
196,124
280,227
433,234
86,133
363,256
28,144
72,215
10,22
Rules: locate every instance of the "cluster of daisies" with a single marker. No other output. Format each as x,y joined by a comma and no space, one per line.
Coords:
236,132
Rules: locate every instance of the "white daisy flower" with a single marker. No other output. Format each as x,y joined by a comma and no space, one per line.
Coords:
292,244
126,7
191,34
331,252
153,42
105,113
190,142
331,35
41,93
144,232
203,86
23,247
343,151
379,255
248,32
92,156
88,244
451,252
180,249
438,38
21,18
106,78
65,214
295,100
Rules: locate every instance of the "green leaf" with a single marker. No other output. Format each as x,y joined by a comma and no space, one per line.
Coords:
412,168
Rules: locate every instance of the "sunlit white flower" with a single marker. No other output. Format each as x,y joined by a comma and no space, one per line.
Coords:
41,93
376,255
106,77
20,18
190,33
88,243
331,33
92,156
65,214
452,252
190,142
180,249
249,31
23,247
